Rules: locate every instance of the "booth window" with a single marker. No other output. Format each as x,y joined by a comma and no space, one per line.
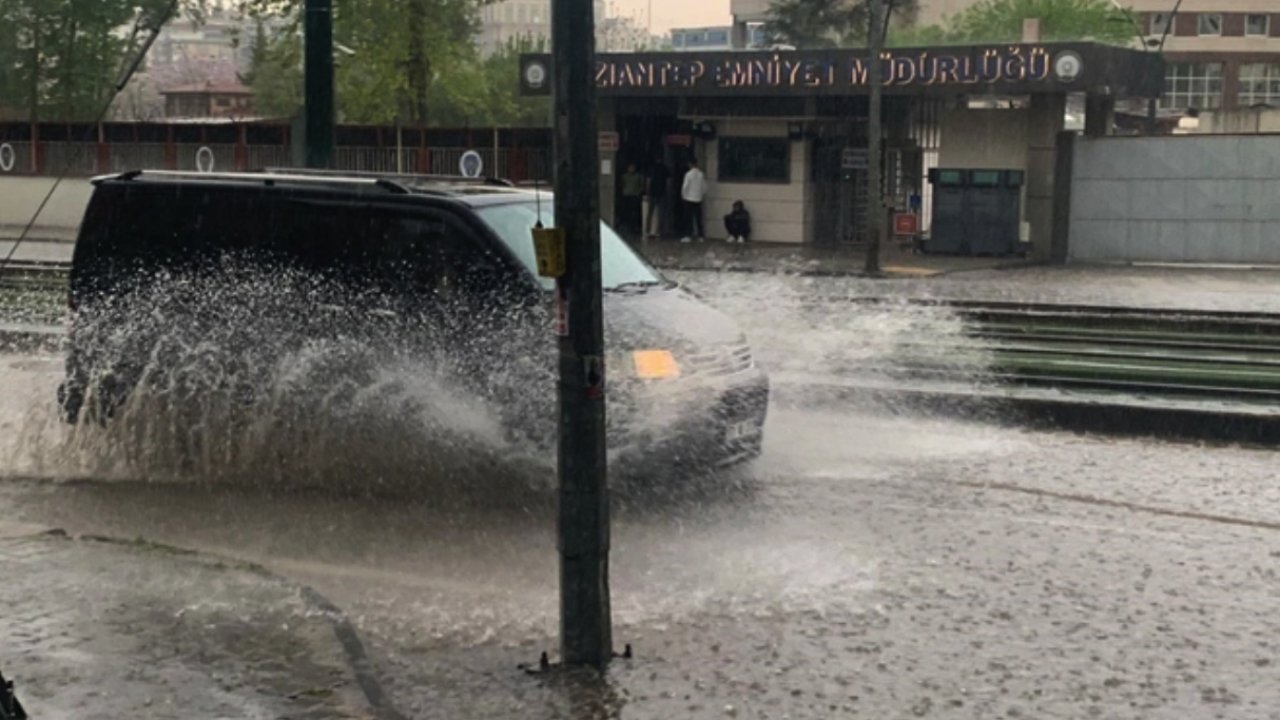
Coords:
762,160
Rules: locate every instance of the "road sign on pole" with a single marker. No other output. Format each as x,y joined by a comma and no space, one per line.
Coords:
586,633
471,165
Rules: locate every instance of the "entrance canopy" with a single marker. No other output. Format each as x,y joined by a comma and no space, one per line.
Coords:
929,71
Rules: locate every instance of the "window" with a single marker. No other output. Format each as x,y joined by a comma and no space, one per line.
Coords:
513,224
1192,85
764,160
1160,23
1210,23
1260,84
1257,25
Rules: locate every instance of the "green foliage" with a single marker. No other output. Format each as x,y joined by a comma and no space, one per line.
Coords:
1001,21
61,58
398,60
495,92
275,73
816,24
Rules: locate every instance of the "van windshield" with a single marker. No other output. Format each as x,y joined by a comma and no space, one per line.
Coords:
619,264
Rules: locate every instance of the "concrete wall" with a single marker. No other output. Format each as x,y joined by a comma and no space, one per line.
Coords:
1176,199
60,220
777,211
983,138
1244,120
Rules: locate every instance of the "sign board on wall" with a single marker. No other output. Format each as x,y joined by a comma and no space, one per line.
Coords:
1034,67
906,224
853,159
609,141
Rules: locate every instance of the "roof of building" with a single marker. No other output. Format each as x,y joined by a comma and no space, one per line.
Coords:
208,88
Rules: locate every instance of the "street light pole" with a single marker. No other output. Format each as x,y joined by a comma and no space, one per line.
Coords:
1164,35
586,635
318,103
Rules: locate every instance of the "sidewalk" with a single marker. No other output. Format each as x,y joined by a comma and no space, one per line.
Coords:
99,628
895,259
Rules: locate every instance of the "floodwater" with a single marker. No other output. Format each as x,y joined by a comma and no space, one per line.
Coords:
868,565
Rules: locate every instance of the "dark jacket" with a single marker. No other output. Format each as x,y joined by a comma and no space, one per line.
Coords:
738,222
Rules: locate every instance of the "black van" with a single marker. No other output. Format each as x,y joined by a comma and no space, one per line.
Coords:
444,267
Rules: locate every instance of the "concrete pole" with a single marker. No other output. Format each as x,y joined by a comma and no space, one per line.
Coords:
586,633
875,207
319,104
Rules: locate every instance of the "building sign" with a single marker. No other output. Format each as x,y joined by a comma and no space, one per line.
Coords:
854,159
609,141
965,69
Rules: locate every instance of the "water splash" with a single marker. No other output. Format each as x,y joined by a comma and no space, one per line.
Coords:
244,375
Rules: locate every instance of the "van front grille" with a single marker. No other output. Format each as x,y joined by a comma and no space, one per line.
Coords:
720,361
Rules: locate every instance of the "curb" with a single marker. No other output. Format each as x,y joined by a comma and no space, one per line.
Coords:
1165,423
353,649
892,272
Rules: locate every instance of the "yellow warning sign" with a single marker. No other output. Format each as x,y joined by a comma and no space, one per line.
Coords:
548,247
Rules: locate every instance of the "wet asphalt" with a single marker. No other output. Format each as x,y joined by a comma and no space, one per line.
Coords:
870,564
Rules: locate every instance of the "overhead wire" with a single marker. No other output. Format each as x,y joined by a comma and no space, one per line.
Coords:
153,26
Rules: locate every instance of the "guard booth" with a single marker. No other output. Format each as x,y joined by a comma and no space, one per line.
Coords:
787,132
976,211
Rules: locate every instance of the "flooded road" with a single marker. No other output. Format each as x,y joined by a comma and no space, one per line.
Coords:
879,566
868,565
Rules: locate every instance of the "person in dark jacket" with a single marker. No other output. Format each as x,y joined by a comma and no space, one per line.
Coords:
738,223
656,195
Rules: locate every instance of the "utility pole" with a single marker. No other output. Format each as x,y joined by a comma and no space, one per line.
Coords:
875,88
318,104
586,634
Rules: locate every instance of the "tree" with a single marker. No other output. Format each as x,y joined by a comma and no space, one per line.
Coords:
62,57
1001,21
816,24
275,73
487,92
399,56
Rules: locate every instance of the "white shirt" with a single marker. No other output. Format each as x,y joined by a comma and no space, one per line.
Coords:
695,186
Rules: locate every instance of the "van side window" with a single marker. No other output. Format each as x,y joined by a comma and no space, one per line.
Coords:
434,254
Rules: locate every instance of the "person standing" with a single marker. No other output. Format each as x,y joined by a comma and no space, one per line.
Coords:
659,180
632,193
693,192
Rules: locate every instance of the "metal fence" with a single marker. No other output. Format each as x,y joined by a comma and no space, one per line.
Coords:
85,159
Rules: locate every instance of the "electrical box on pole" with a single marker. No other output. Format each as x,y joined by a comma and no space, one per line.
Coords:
318,102
586,636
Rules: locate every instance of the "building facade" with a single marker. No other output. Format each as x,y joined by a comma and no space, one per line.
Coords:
507,20
720,37
208,100
1221,55
786,131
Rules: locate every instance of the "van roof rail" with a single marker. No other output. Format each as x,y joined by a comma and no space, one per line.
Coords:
411,177
266,178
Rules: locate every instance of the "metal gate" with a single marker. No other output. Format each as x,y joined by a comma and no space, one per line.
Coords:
839,195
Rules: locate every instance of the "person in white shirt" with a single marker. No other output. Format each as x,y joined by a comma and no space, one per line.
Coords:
693,192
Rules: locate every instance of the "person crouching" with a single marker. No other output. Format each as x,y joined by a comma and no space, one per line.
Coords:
738,223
